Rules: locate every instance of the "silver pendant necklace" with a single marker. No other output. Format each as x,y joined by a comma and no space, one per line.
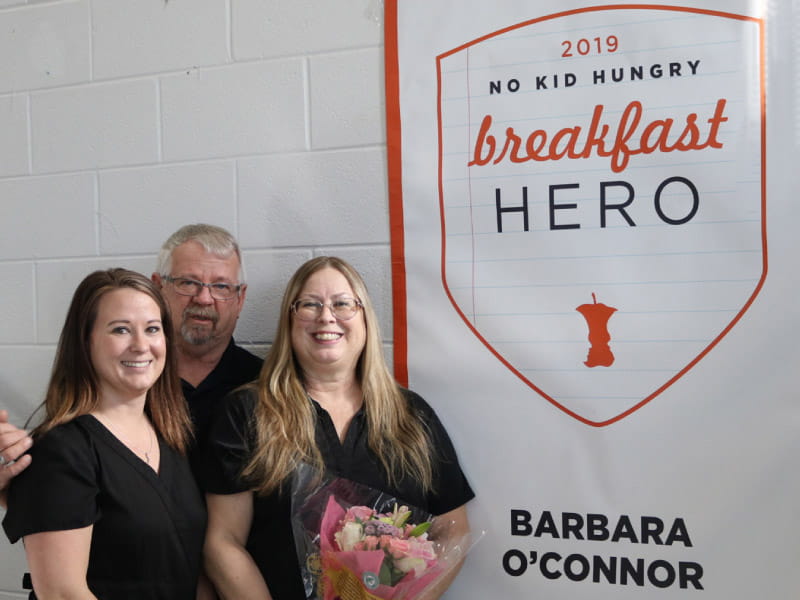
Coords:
134,447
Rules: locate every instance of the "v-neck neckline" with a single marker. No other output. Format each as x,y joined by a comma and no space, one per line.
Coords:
342,448
122,449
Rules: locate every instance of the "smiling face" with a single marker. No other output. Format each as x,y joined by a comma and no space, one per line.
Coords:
204,323
127,345
326,344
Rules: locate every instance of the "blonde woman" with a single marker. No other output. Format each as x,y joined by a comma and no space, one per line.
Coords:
324,396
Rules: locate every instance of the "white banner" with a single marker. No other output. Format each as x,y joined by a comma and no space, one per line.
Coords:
593,225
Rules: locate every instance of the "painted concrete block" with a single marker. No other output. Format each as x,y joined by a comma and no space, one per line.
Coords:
44,46
244,109
50,216
269,28
14,139
16,318
347,99
154,36
95,126
141,207
314,198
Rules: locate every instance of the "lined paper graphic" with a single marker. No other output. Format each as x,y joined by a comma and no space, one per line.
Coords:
601,192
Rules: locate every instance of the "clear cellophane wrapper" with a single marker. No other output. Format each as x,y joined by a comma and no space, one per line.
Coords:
354,542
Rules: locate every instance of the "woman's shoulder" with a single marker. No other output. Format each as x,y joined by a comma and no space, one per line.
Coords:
426,414
75,434
57,490
226,448
237,404
417,403
243,396
66,450
233,413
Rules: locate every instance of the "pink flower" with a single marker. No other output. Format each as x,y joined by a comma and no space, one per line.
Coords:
361,513
406,548
384,541
422,549
370,542
398,547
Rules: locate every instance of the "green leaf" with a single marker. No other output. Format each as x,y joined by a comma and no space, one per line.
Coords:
420,529
385,576
401,519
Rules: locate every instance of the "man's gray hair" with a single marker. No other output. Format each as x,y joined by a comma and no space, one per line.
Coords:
214,240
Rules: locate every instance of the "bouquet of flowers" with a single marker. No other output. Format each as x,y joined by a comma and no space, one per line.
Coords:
357,543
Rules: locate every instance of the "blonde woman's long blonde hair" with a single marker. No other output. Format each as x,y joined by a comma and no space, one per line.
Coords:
285,419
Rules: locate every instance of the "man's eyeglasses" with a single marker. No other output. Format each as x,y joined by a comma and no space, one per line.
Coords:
343,309
191,287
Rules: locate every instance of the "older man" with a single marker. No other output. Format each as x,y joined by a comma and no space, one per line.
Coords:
201,276
200,273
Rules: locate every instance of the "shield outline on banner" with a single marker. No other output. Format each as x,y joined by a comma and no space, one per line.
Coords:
762,100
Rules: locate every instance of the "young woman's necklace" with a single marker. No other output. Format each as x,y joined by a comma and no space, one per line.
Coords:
149,447
135,447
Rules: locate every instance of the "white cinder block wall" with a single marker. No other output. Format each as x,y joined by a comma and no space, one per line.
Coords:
122,120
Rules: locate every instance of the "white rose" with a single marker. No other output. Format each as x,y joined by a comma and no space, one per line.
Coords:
349,536
410,563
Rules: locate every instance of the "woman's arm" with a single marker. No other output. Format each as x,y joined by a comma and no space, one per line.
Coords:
205,590
58,561
449,528
228,563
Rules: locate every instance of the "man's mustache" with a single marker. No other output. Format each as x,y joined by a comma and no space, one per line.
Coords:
201,312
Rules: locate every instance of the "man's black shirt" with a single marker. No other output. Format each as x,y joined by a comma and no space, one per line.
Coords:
236,367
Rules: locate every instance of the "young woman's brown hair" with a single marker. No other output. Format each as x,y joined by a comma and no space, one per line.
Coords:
73,386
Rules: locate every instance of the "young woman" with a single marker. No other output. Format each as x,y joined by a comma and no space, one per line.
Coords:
108,507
